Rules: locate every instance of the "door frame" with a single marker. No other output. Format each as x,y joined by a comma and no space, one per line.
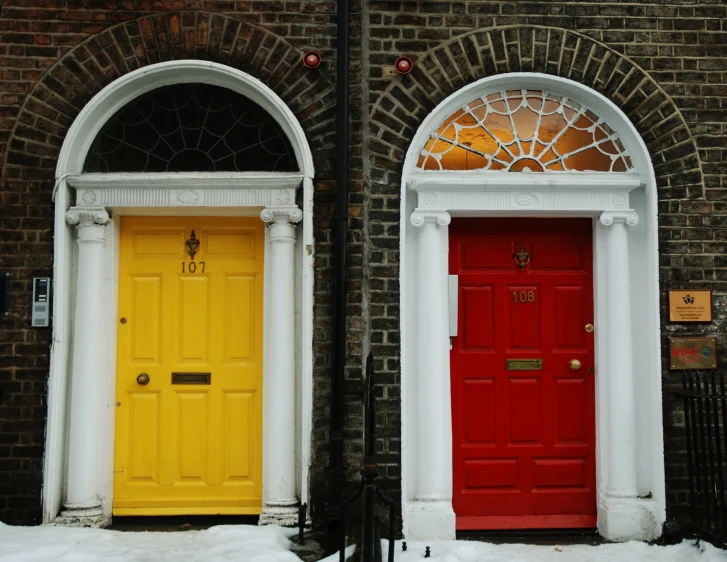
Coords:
270,196
428,202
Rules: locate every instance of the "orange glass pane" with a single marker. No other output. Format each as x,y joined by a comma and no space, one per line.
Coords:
525,122
619,165
439,146
479,140
590,159
572,140
608,147
526,165
550,126
461,159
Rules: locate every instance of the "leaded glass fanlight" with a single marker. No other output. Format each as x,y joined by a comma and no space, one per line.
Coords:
191,128
524,131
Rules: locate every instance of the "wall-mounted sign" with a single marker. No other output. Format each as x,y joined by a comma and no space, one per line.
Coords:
692,353
690,306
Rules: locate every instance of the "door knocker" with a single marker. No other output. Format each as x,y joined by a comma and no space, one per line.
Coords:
522,258
192,246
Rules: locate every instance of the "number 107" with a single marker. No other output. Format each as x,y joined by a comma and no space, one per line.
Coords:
192,267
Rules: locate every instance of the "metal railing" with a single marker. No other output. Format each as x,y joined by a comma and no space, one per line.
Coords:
705,418
370,548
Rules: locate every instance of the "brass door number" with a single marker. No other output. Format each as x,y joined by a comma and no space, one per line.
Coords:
523,296
192,267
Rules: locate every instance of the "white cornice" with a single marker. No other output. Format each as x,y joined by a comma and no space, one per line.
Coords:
477,180
193,189
188,180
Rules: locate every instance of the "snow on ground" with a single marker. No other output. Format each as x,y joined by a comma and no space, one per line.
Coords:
470,551
228,543
243,543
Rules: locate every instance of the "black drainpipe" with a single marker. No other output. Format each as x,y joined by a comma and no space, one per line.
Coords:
340,232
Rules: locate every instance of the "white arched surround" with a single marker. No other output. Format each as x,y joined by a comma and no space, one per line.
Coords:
95,202
623,207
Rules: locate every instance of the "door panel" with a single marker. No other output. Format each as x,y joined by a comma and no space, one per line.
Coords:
189,448
524,436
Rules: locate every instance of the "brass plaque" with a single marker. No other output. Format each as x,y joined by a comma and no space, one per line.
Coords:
690,306
524,364
191,378
692,353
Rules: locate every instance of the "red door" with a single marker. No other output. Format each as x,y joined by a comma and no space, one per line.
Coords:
523,412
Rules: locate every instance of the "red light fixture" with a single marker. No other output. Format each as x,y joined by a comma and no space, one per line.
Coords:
312,59
403,65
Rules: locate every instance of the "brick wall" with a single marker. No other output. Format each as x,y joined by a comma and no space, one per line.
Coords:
662,63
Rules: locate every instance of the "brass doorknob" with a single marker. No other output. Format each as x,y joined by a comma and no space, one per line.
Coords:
143,379
575,364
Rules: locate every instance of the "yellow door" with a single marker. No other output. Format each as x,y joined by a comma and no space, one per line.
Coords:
190,440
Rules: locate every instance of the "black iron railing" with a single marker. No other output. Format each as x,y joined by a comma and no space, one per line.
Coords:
705,417
369,491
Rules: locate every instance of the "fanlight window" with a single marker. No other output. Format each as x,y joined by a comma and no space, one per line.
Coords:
524,131
191,128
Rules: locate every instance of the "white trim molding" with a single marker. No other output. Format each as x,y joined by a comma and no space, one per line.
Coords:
622,205
78,462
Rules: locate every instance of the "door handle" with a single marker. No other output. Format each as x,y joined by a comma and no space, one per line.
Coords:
143,379
575,365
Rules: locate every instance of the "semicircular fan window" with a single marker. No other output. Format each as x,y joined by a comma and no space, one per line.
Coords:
524,131
191,128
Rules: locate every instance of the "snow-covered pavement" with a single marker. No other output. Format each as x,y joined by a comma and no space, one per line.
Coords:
470,551
226,543
241,543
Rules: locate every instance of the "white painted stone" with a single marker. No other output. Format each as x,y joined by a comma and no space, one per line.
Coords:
433,495
431,520
82,504
280,500
627,519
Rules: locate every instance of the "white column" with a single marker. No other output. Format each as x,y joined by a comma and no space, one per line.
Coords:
620,375
280,502
622,516
431,515
82,505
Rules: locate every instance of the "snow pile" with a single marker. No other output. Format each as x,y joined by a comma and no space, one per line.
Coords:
470,551
226,543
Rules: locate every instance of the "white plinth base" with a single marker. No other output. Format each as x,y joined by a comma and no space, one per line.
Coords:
628,519
285,515
430,521
83,517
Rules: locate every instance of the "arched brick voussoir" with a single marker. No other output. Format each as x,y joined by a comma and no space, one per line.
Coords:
58,97
438,73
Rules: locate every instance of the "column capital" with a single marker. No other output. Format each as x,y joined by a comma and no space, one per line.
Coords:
442,218
629,218
87,216
277,214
